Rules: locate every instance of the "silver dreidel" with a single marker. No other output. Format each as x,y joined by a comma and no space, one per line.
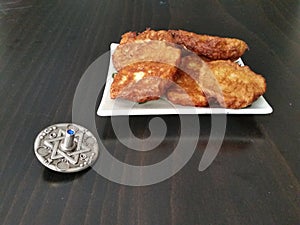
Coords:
66,147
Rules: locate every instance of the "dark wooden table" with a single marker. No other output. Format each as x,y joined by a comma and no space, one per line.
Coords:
45,48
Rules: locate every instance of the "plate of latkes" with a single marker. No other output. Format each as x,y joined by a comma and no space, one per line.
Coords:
137,84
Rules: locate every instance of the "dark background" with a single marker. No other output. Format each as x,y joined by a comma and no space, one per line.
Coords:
46,46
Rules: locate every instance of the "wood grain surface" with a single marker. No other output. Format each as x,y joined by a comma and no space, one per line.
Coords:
45,48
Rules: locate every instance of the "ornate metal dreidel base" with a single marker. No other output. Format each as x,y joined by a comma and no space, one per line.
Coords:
66,147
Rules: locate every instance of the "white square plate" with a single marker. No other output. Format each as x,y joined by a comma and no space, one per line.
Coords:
111,107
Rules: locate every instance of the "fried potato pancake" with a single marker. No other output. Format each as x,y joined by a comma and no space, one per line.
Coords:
146,50
221,81
148,34
187,92
210,47
142,81
239,85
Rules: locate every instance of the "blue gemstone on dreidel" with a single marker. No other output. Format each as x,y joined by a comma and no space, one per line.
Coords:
71,132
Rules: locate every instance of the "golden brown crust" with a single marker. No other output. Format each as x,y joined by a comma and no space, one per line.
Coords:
145,50
239,86
128,37
142,81
148,34
195,67
186,91
196,83
210,47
